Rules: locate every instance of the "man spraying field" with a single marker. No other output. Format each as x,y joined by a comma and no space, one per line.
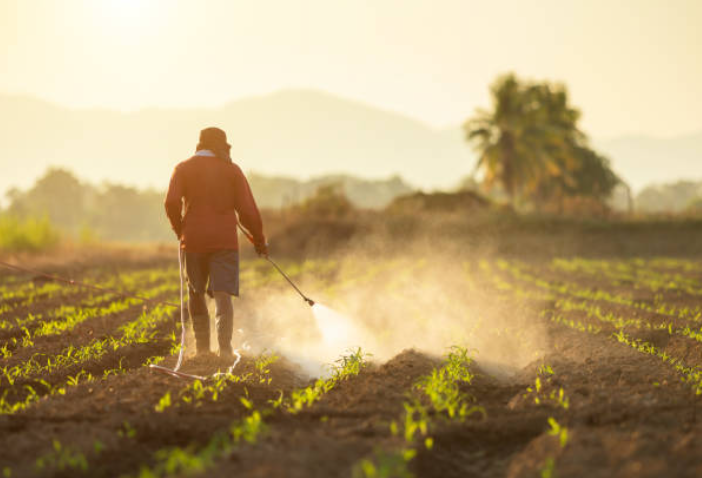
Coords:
205,195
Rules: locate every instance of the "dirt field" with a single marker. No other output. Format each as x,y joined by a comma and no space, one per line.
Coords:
561,366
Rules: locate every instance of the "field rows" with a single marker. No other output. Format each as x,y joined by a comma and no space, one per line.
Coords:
632,327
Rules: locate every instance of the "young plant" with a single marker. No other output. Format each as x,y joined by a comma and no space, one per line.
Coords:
62,458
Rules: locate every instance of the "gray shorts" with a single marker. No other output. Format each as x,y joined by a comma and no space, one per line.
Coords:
213,271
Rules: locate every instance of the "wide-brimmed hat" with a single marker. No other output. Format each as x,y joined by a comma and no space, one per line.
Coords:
213,138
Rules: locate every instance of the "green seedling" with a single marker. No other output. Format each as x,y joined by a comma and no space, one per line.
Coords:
126,430
62,458
163,403
559,431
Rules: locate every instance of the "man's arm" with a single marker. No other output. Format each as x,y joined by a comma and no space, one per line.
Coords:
245,205
174,202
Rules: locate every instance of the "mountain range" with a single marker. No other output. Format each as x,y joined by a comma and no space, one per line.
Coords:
297,133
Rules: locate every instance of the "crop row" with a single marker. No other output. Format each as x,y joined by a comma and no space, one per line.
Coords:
193,459
198,459
544,392
617,322
141,330
435,398
148,289
693,314
195,393
92,300
625,272
28,293
65,458
620,322
690,374
69,321
668,263
34,393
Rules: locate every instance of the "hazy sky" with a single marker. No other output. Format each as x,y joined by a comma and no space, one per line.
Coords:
633,66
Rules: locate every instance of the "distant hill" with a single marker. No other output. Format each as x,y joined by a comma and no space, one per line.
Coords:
643,160
298,133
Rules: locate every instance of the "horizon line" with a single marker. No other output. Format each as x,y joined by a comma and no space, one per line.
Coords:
223,105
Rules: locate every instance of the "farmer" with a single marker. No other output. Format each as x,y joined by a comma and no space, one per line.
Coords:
205,195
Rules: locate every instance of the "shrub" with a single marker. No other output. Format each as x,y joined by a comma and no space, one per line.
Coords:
27,235
329,201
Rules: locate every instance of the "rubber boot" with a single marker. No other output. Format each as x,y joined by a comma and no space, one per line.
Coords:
224,321
201,328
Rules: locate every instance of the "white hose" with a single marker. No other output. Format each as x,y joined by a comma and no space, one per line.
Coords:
181,353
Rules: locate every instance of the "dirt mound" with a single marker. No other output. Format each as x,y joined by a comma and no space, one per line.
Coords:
382,388
312,237
439,202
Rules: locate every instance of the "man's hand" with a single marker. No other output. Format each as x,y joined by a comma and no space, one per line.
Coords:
261,249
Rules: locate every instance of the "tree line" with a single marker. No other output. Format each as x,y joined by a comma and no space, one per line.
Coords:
110,211
115,212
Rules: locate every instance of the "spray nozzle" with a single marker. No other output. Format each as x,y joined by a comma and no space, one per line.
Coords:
309,301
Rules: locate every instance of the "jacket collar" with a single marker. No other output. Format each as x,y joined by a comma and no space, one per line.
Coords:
204,152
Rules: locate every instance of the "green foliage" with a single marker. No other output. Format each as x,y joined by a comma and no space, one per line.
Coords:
549,468
88,212
87,236
441,389
140,330
261,365
441,386
164,402
62,458
191,460
29,234
530,144
328,202
277,192
543,380
348,365
249,429
74,381
384,465
558,431
194,459
674,197
126,430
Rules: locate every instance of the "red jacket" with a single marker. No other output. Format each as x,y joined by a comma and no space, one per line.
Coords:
204,197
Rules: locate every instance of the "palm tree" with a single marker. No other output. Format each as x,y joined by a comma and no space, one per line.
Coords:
496,136
529,140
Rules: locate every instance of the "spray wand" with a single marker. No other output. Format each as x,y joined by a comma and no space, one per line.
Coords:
309,301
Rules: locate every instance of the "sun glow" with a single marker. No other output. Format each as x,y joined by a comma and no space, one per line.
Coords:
128,16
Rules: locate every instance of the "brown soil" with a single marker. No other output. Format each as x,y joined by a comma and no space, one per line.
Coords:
629,414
